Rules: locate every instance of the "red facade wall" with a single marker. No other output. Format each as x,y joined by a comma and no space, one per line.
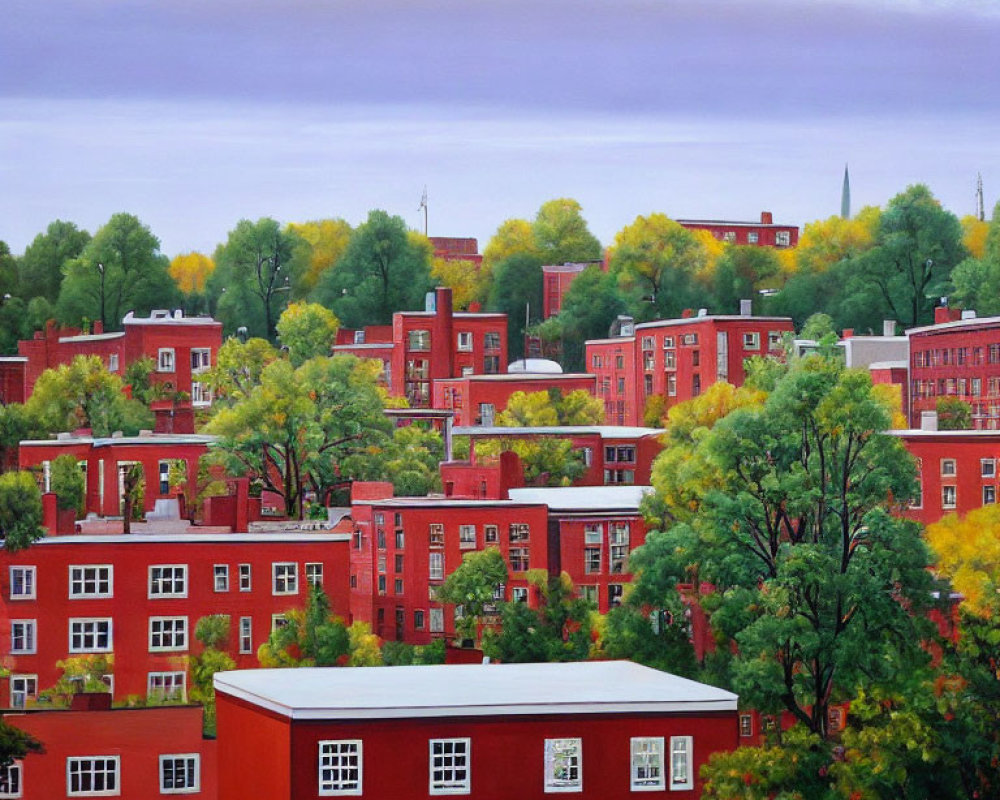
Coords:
465,395
507,755
13,380
254,751
762,234
131,608
138,736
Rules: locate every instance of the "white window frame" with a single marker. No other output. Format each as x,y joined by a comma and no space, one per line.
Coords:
989,494
186,758
220,578
285,578
246,635
949,467
161,580
28,577
646,753
681,745
435,620
519,594
29,636
333,784
171,633
746,725
783,239
19,696
464,341
166,360
161,693
444,763
201,395
77,574
574,748
467,537
81,760
6,772
314,573
949,497
92,623
278,621
987,467
202,355
246,577
113,362
751,340
435,566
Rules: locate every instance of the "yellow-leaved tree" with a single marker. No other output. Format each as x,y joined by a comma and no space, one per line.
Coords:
968,554
320,243
974,232
468,283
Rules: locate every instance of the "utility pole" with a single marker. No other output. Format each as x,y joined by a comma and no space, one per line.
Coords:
423,205
980,210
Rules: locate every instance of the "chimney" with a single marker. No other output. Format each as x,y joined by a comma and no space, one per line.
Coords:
443,335
766,218
888,327
746,307
928,420
98,326
944,314
687,313
847,334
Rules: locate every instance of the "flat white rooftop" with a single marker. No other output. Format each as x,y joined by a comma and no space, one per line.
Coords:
584,498
288,537
604,431
463,690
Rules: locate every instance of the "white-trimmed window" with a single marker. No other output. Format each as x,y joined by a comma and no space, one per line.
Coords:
563,765
284,577
23,639
220,577
948,466
491,534
339,767
436,566
681,774
90,635
519,594
782,239
91,580
10,780
436,617
436,534
753,237
93,776
774,340
22,583
314,574
751,340
278,621
167,580
419,341
518,532
246,581
22,689
746,725
465,341
988,467
167,633
449,766
989,494
201,395
466,536
647,772
165,359
113,362
180,773
166,686
201,359
246,635
949,497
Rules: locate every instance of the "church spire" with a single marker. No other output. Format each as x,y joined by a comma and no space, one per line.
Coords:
845,196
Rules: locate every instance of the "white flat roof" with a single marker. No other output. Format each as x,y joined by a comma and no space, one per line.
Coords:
946,327
108,441
438,501
471,690
92,337
604,431
195,538
584,498
523,376
667,323
917,433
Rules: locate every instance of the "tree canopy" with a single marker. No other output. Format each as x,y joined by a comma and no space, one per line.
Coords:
307,330
40,269
20,511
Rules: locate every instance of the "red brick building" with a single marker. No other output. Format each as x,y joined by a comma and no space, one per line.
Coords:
678,359
127,752
140,596
958,356
425,346
595,729
762,234
181,348
556,279
456,248
478,399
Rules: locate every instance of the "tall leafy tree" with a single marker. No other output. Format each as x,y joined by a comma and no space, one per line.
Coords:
252,279
190,272
320,245
238,369
20,511
473,585
120,270
384,269
977,278
561,233
41,267
307,330
517,292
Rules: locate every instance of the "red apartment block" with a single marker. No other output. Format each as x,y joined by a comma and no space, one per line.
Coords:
127,752
958,356
490,731
139,597
957,471
763,234
182,347
478,399
613,454
592,532
13,379
406,546
104,462
425,346
678,359
456,248
557,279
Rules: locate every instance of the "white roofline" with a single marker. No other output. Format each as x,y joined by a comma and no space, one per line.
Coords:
604,431
195,538
108,441
667,323
948,327
520,376
93,337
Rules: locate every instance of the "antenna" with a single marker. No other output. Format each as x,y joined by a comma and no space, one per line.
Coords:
423,205
980,211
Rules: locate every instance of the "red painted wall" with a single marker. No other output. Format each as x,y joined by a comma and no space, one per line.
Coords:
740,232
139,736
572,550
130,608
13,379
254,752
464,395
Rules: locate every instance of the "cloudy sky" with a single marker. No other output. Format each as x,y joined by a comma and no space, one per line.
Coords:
195,113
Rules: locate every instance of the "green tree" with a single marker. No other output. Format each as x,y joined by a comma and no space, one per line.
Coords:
313,637
409,458
252,278
473,585
953,414
20,511
739,272
517,292
384,269
89,673
41,267
238,369
294,430
120,270
8,271
561,234
320,245
203,668
551,407
307,330
68,483
977,278
16,744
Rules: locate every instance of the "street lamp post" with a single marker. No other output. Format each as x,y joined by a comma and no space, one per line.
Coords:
100,270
